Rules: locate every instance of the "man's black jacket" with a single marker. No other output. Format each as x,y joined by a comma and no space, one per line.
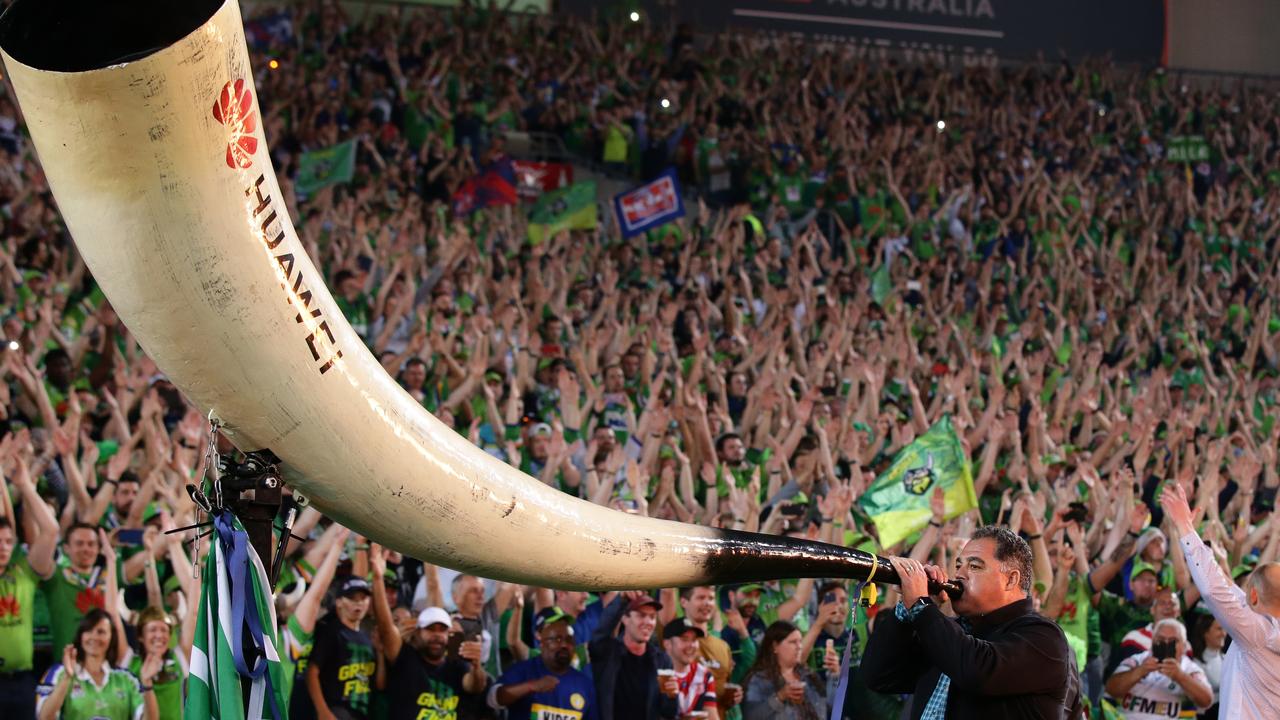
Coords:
607,649
1015,664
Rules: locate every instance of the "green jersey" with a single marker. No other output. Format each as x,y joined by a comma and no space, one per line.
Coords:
167,684
17,614
1074,619
1119,617
71,595
119,697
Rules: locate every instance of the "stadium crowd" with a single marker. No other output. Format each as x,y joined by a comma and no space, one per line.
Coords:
874,247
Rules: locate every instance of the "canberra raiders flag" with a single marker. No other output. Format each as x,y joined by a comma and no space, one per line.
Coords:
236,641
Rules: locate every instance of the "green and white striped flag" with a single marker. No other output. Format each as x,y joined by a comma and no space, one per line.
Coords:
214,688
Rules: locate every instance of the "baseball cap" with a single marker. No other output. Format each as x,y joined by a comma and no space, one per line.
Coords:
540,429
643,601
1141,567
680,626
749,587
549,615
434,616
353,585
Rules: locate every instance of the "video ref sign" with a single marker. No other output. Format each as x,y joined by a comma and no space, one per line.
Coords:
1125,30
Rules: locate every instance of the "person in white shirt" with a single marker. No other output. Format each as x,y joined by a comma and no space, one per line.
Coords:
1250,687
1148,687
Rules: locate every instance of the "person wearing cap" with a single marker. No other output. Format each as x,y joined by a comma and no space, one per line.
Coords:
342,662
154,632
536,459
1119,618
1250,688
699,606
693,685
1165,607
625,667
548,686
425,681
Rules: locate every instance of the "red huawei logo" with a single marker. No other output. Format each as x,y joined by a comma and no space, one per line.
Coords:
9,606
234,109
90,598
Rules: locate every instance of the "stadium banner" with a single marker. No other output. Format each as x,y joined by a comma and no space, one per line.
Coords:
1187,149
655,203
974,32
319,169
898,501
570,208
534,178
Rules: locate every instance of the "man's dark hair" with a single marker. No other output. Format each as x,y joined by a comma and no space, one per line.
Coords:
687,592
93,530
720,441
129,476
829,587
1012,551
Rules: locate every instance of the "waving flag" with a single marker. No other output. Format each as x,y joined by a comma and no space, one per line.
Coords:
236,639
488,189
898,501
571,208
656,203
320,168
533,178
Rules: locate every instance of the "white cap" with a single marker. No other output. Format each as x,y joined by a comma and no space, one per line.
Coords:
433,615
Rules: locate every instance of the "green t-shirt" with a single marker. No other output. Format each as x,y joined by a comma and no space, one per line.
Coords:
118,698
773,595
17,614
70,596
297,643
1074,620
357,314
1119,617
167,684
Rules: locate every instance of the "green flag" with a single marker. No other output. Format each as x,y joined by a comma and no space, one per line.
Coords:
570,208
320,168
881,283
898,501
233,570
1187,149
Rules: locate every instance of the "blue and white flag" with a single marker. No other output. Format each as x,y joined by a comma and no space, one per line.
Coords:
655,203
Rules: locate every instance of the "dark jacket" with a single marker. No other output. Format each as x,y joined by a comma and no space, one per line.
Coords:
607,650
1011,663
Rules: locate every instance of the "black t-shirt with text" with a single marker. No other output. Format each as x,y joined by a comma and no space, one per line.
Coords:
345,661
421,691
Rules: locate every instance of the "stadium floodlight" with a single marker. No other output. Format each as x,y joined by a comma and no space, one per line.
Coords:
942,125
635,16
665,103
274,64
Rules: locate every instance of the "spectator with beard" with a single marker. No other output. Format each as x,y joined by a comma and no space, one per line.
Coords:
548,685
425,681
341,663
625,668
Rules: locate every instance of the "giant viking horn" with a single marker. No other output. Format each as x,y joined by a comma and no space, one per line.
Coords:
149,133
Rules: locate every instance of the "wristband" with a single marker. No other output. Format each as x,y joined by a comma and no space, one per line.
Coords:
362,546
1133,534
936,524
144,688
1032,538
826,520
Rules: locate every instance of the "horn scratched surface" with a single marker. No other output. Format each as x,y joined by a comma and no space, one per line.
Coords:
148,129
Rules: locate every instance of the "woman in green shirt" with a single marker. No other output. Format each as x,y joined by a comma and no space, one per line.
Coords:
155,633
86,685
